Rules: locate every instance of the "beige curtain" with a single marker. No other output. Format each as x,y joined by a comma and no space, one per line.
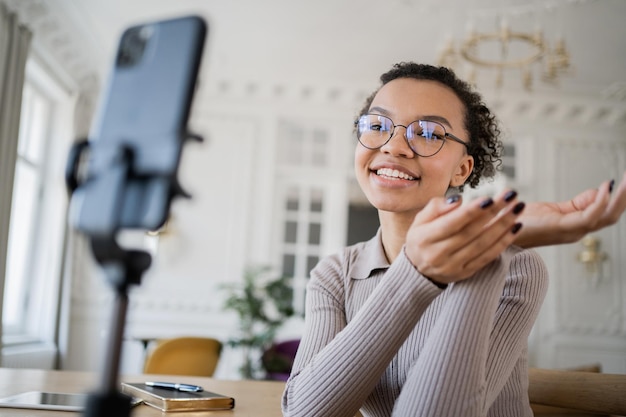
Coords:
14,43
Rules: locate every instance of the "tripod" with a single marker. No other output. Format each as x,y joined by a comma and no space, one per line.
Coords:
122,268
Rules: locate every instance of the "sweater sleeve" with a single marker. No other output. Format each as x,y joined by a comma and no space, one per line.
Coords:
333,374
477,340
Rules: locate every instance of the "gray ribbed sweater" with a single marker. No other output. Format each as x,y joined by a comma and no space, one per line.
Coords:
384,339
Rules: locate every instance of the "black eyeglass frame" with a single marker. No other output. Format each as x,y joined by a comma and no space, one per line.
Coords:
393,131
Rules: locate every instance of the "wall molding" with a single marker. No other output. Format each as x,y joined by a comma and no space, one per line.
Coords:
558,108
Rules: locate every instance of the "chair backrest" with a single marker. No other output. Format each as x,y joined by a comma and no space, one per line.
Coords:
589,392
278,359
195,356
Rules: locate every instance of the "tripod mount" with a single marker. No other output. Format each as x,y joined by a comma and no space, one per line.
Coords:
122,267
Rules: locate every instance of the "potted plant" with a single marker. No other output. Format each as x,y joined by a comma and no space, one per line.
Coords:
262,302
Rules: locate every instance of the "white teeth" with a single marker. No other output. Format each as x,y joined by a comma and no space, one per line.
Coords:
394,173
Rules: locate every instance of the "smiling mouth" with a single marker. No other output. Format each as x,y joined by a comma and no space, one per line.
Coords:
394,174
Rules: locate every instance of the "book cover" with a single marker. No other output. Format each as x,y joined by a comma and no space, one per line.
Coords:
173,400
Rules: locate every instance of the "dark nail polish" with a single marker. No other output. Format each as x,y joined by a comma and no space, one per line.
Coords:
611,185
518,208
453,199
516,228
488,202
510,196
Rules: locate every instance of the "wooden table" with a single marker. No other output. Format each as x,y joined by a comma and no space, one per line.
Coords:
252,398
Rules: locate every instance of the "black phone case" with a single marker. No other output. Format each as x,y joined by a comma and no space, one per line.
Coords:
136,141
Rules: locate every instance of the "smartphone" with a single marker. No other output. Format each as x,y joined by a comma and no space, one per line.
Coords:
135,142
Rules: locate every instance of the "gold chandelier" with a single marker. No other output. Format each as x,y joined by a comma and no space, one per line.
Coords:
529,50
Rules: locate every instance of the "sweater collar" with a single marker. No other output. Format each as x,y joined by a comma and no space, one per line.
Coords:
370,258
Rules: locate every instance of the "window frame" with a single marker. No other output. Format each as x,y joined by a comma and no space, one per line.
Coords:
46,244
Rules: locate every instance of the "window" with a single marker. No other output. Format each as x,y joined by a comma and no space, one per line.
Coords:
37,215
24,211
303,207
311,196
508,161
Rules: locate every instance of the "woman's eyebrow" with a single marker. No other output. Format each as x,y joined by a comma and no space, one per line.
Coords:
378,110
435,118
431,117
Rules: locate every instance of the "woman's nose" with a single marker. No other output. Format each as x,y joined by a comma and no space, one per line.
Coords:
397,145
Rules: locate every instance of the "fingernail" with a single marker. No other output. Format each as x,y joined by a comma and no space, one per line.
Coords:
611,185
519,207
516,228
486,203
510,196
453,199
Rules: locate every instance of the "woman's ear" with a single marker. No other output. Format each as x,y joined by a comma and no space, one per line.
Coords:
463,171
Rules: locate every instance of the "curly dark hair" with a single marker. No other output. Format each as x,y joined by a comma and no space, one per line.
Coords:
484,132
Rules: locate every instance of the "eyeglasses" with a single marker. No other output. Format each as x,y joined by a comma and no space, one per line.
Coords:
424,137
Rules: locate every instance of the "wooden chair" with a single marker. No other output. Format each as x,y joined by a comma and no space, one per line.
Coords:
568,393
195,356
560,393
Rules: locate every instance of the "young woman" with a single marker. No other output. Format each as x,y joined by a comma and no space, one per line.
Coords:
431,316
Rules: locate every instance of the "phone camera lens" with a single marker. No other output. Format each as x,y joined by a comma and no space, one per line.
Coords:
132,45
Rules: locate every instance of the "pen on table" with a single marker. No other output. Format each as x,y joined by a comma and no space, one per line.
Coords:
175,386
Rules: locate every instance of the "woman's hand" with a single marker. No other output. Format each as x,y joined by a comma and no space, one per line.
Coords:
569,221
449,242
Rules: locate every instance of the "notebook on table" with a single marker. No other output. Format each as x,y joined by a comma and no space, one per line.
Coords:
176,400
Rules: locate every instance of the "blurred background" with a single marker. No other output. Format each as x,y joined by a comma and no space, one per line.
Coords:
273,188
